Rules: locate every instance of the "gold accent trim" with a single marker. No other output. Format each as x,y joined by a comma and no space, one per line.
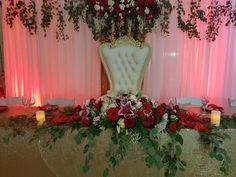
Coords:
125,40
121,41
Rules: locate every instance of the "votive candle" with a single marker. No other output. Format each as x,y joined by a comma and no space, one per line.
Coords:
215,118
40,117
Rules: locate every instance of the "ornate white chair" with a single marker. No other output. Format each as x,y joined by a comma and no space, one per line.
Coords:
125,61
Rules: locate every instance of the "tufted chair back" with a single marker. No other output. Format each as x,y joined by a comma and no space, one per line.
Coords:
125,61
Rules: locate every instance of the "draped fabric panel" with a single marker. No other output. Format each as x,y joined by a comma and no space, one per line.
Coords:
183,67
180,67
45,68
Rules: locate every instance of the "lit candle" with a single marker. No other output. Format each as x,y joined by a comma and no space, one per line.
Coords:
40,117
215,118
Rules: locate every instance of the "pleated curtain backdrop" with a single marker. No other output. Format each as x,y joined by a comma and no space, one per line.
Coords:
183,67
45,68
180,67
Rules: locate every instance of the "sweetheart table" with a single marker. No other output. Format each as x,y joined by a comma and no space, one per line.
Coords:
23,159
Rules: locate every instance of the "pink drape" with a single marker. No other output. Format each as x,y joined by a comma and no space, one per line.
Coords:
183,67
45,68
180,67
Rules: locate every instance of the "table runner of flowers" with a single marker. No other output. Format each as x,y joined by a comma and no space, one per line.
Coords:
132,119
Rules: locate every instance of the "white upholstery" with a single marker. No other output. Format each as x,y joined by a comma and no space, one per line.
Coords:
189,101
11,100
232,102
125,62
59,101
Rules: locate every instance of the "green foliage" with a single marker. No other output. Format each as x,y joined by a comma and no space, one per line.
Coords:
215,139
26,13
161,153
137,25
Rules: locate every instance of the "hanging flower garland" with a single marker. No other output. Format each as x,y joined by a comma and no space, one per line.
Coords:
114,18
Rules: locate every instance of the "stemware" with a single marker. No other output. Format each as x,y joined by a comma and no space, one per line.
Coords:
27,103
172,102
205,101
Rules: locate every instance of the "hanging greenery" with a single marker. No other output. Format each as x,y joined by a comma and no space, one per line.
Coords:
114,18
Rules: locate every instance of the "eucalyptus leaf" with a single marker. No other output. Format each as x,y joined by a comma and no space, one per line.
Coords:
106,172
179,139
178,150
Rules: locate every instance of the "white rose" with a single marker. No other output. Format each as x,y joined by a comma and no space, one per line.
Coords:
122,6
112,105
137,8
96,120
87,102
97,7
133,97
138,104
80,113
165,117
104,107
147,10
132,2
173,117
111,3
106,15
122,1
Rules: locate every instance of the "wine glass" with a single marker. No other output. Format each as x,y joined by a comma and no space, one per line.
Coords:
27,103
31,101
172,102
205,102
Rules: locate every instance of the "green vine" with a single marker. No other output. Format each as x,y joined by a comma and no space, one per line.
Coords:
215,139
137,24
215,16
74,11
190,26
26,14
166,9
61,24
47,14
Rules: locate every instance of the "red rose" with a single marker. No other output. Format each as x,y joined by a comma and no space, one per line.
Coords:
75,116
148,121
173,126
159,112
201,127
86,122
61,119
112,113
140,113
92,1
77,108
143,100
129,122
147,107
99,104
92,102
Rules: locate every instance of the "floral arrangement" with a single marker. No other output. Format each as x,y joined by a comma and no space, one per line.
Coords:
132,119
114,18
109,18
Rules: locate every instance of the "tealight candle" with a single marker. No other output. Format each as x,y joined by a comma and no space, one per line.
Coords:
40,117
215,118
